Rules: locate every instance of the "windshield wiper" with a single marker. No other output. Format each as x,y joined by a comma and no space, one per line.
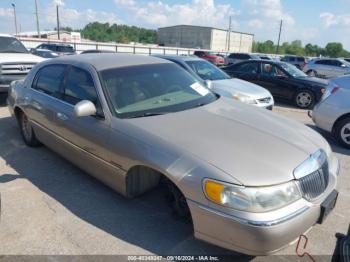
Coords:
149,114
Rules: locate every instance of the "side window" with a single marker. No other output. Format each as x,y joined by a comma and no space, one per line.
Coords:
337,63
79,86
271,70
251,68
321,62
49,79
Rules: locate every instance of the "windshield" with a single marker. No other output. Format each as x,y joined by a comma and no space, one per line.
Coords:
292,70
140,91
11,45
207,71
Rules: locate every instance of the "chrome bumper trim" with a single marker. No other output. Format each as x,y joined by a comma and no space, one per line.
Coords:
253,222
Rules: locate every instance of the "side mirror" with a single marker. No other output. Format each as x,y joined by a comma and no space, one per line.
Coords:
209,84
84,108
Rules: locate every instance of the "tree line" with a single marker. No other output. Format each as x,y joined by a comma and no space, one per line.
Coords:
105,32
296,48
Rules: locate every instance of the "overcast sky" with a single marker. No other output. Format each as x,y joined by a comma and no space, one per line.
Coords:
315,21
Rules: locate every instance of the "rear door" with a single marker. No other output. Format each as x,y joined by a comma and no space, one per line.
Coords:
247,71
44,94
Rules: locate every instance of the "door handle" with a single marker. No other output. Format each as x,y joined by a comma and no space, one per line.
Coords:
62,116
37,106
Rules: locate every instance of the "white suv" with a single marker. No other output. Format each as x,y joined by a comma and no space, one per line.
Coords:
327,67
15,61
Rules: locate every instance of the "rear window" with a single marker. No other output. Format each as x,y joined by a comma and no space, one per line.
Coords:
49,79
301,59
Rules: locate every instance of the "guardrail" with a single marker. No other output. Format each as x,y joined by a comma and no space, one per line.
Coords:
119,48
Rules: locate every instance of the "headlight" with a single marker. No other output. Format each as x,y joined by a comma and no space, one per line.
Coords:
252,199
244,98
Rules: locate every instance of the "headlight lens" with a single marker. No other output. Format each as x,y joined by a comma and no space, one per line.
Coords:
244,98
252,199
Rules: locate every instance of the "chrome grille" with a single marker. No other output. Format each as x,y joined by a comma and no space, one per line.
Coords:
265,100
315,184
16,68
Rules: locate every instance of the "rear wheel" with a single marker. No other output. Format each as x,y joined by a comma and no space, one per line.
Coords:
304,99
342,132
27,131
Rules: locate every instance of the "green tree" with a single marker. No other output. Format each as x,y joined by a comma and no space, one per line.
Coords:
334,49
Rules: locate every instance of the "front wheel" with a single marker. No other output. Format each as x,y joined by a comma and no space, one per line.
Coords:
27,131
342,132
304,99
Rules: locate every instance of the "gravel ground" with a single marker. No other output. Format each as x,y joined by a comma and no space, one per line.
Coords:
50,207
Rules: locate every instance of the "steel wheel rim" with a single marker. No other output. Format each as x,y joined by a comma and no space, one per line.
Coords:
345,134
304,99
26,128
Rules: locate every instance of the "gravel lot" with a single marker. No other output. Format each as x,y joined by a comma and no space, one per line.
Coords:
50,207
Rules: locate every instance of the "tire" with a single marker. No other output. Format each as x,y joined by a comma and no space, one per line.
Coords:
342,132
176,200
27,131
312,73
304,99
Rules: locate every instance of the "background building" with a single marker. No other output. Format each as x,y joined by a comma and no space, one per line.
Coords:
187,36
53,35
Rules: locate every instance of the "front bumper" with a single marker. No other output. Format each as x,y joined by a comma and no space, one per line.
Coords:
257,236
5,81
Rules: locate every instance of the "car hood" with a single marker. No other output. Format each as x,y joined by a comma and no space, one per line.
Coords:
313,80
20,58
230,87
254,146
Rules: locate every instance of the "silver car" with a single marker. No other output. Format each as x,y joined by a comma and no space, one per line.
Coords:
333,112
221,83
327,67
251,180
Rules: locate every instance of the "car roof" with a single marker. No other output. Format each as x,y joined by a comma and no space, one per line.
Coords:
103,61
263,60
56,44
180,57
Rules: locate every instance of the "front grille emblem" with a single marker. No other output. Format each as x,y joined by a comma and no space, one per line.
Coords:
22,68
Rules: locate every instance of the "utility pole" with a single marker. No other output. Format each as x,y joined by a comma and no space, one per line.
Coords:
228,37
279,38
37,18
15,16
58,23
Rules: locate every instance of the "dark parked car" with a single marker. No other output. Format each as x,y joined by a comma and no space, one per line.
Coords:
45,53
282,80
60,49
298,61
235,58
211,57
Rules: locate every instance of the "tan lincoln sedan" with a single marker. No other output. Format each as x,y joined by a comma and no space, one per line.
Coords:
252,181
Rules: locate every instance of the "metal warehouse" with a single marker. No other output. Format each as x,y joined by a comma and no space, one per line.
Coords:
187,36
